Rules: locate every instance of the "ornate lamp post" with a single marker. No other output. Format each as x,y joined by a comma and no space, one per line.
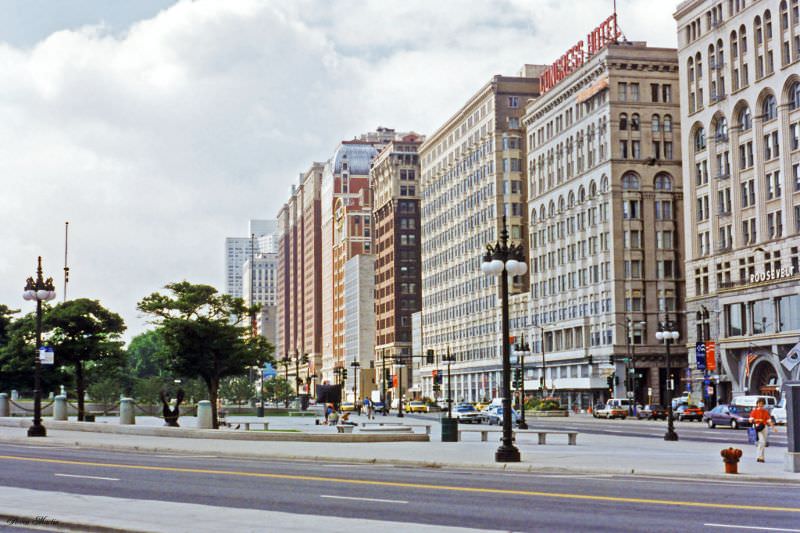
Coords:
667,334
356,365
40,290
504,260
522,349
449,359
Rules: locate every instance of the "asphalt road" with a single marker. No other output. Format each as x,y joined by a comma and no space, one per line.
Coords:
486,500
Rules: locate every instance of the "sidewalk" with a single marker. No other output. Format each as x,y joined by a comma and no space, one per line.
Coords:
603,454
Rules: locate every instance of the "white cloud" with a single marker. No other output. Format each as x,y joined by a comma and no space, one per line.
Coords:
158,142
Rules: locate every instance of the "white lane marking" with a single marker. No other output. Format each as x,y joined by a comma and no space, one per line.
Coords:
361,499
88,477
33,446
187,456
756,528
341,465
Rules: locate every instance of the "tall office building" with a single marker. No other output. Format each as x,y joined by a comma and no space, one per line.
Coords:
239,249
395,189
740,110
472,174
605,207
260,287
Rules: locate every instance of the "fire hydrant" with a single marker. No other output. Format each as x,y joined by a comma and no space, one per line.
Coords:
730,457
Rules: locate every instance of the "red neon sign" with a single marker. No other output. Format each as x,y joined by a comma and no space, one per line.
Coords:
596,40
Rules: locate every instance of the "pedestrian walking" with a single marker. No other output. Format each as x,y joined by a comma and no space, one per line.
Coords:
760,419
370,408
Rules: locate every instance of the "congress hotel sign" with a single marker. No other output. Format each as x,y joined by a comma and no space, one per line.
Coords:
596,40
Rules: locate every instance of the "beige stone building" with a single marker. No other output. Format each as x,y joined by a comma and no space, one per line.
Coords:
606,233
473,172
740,110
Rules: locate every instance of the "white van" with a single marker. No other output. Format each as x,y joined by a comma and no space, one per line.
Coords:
750,401
624,403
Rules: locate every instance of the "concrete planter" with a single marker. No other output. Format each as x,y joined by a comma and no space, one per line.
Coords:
548,414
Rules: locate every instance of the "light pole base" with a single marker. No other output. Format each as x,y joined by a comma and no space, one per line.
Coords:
37,431
260,411
670,436
522,425
507,454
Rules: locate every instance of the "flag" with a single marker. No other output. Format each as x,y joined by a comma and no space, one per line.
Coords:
792,358
711,361
700,355
750,358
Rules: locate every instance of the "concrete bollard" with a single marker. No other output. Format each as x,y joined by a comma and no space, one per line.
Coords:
791,391
60,408
5,407
126,414
204,415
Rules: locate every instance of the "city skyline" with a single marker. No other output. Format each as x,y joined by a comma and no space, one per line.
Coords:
122,121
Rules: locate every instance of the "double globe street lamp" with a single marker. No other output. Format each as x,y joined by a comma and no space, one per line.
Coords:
38,290
504,260
669,335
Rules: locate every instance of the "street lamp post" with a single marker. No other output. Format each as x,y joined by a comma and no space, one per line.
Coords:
399,369
667,334
40,290
542,382
383,381
356,365
522,349
285,360
504,260
449,359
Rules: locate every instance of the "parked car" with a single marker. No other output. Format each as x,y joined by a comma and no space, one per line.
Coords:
466,413
347,406
779,412
608,411
750,401
652,412
728,415
416,406
378,406
494,416
689,412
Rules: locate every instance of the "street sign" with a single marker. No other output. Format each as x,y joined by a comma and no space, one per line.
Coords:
46,355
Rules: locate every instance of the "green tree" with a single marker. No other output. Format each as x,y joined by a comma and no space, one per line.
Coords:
146,391
105,390
237,389
18,352
278,388
84,335
148,355
206,334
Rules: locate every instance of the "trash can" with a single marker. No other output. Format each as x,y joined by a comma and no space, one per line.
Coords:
304,402
449,429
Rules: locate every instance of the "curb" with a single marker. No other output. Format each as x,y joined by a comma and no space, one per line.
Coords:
504,467
24,519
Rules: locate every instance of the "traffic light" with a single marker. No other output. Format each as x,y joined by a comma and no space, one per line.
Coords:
440,377
610,381
305,358
517,377
386,374
344,374
429,357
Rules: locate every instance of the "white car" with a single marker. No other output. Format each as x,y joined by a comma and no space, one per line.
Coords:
779,412
466,413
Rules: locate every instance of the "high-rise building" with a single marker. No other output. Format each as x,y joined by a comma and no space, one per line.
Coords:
239,249
259,287
472,175
395,189
359,328
605,205
740,110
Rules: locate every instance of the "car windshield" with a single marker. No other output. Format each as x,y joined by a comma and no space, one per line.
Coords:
740,410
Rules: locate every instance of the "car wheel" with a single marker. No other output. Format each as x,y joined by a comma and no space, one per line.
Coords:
710,424
680,418
623,417
734,424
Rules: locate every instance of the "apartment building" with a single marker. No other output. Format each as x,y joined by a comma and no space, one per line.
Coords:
472,173
239,249
740,110
395,187
606,233
260,288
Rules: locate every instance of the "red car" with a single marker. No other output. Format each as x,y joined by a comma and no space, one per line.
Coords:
689,412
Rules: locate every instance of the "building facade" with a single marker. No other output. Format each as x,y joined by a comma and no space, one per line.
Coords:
605,205
472,174
395,189
359,329
740,110
260,288
239,249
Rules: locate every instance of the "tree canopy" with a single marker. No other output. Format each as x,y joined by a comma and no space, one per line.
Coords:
205,334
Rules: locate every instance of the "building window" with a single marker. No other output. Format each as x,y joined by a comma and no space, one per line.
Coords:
700,139
513,101
630,181
769,108
663,209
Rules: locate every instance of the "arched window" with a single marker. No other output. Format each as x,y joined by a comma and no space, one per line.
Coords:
571,200
542,213
700,139
630,182
561,204
768,24
721,129
667,123
635,122
581,194
592,189
742,39
769,108
757,31
745,119
604,183
623,121
654,123
551,209
734,45
794,95
663,182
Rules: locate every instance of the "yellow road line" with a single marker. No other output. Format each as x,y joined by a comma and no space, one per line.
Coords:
424,486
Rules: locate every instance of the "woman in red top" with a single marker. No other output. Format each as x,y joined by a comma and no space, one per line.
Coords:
760,418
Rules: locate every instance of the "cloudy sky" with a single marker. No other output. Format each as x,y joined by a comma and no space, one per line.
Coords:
158,128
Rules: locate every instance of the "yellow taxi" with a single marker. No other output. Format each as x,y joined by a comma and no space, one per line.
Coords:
416,406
